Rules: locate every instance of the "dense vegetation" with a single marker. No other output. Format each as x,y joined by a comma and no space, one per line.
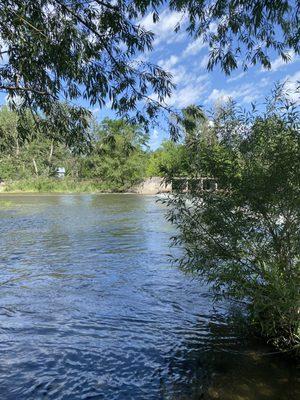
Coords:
244,239
113,157
29,159
61,49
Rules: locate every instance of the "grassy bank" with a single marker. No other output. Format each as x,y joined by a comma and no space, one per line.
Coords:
52,185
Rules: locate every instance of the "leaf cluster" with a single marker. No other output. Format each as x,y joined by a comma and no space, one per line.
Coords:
244,238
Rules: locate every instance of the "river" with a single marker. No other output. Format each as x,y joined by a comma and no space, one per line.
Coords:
92,308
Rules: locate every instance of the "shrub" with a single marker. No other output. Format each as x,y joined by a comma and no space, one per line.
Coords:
244,238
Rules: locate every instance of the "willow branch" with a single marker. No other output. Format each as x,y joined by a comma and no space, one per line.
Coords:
25,89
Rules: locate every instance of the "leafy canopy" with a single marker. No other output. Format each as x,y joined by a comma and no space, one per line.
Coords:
115,160
245,237
66,49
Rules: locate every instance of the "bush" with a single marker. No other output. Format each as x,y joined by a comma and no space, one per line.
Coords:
244,239
44,185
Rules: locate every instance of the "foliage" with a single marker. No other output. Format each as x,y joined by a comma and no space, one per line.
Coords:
45,185
116,158
54,49
244,239
57,48
243,29
171,159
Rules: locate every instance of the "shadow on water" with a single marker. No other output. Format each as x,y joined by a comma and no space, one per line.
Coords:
91,308
232,365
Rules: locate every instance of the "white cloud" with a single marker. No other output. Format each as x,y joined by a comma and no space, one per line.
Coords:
155,140
279,63
246,93
190,90
293,86
180,75
237,77
264,82
164,28
190,93
168,63
204,61
179,72
220,95
187,95
194,47
201,61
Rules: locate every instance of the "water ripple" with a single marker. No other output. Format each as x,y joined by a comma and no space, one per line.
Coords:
91,308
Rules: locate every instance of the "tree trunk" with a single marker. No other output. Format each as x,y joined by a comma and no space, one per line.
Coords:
51,152
17,147
35,167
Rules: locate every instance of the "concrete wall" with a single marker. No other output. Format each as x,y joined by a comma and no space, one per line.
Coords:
153,185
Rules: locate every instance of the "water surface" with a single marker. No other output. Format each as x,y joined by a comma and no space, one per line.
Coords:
91,308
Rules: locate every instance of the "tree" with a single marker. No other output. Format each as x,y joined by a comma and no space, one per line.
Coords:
36,149
171,159
244,239
9,135
58,48
54,49
118,156
243,29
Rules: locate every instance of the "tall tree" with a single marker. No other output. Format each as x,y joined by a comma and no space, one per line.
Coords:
74,48
71,49
118,157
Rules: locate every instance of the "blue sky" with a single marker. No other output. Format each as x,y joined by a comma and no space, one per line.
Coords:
186,59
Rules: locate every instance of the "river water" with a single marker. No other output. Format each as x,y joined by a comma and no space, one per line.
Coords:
92,308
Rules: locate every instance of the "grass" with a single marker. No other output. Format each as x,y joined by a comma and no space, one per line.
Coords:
52,185
5,204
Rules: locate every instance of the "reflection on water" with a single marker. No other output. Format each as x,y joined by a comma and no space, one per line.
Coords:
90,308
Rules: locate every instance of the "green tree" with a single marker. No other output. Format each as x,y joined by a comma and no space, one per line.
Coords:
10,140
53,49
244,239
171,159
31,150
118,156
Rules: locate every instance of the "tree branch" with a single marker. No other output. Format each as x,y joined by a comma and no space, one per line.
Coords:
104,4
25,89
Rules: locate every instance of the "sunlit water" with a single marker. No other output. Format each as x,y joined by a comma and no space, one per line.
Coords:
91,308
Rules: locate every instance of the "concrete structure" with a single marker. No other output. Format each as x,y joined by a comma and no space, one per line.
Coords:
190,185
152,186
156,185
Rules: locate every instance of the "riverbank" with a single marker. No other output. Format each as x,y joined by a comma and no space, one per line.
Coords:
149,186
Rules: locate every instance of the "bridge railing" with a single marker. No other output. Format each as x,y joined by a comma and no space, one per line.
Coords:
193,185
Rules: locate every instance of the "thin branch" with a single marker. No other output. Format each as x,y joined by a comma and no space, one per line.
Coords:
87,25
29,24
104,4
80,19
25,89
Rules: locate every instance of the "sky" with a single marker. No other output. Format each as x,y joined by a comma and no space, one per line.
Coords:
186,59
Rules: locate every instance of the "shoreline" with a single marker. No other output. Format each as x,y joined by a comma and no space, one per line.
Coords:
149,186
54,193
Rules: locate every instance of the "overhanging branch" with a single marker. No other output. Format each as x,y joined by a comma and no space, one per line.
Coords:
25,89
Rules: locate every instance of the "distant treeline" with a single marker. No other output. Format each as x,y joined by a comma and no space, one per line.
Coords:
113,155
